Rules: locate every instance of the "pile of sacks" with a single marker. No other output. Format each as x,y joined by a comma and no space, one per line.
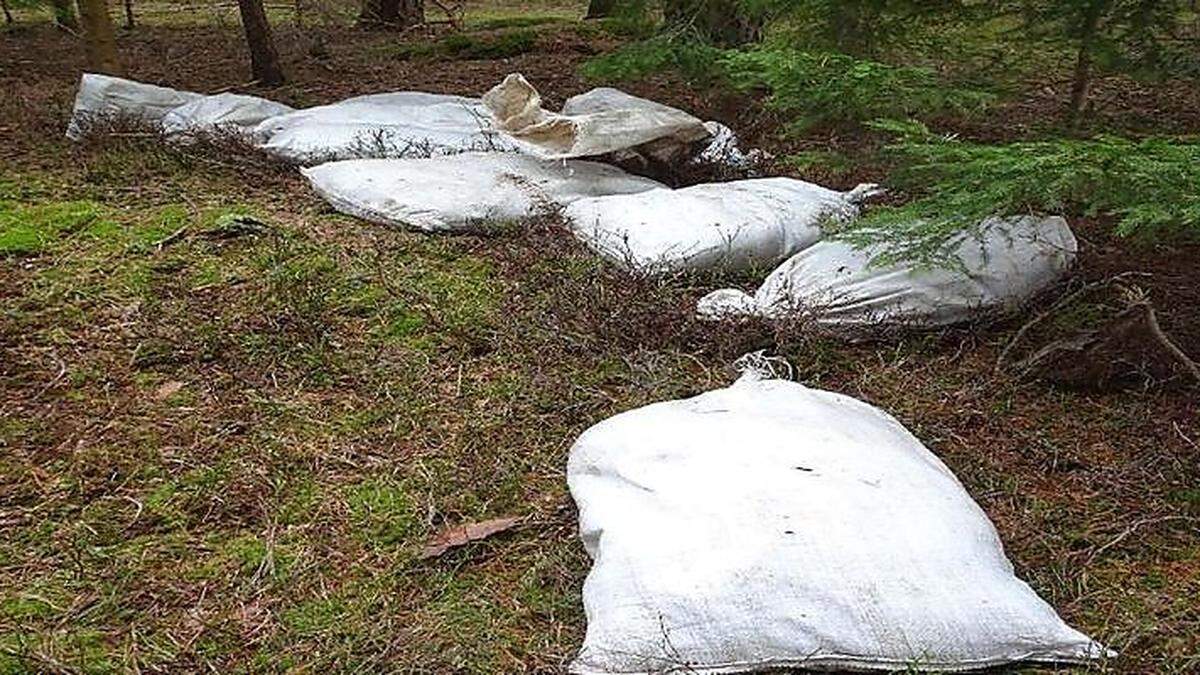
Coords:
763,526
509,118
443,163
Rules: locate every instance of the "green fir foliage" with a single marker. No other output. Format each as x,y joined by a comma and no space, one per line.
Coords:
694,59
827,88
1150,187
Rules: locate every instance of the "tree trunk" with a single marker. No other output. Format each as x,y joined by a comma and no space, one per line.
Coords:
853,27
371,14
1081,81
398,14
722,22
98,37
129,23
64,14
264,60
7,14
412,13
598,9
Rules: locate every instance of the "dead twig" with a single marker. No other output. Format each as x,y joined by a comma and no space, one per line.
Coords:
1002,359
169,239
1172,349
1133,527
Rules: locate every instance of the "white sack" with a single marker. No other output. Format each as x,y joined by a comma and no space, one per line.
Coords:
834,284
734,226
221,112
768,525
609,99
103,96
720,146
598,122
399,124
463,192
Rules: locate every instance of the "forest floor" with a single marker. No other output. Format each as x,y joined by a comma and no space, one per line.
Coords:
230,418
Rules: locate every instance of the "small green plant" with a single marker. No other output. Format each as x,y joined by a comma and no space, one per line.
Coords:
1149,186
824,88
413,50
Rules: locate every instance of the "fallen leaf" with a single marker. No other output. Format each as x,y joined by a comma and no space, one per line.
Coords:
167,389
460,535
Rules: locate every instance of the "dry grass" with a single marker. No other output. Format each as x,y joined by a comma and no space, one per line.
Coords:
230,418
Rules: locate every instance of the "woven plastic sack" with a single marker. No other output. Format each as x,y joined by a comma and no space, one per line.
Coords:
768,525
468,192
738,225
236,113
996,269
398,124
102,97
599,122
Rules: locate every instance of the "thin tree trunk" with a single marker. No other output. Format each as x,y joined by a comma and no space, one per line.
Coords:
1081,81
412,13
378,13
98,37
1081,85
64,14
391,13
598,9
853,27
264,60
7,14
129,22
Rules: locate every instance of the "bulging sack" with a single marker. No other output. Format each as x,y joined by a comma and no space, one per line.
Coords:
398,124
768,525
103,97
731,226
833,283
464,192
598,122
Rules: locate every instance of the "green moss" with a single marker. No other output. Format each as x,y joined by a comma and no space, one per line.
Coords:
24,608
522,21
382,512
402,325
30,229
300,501
413,50
469,46
499,46
315,616
254,556
158,226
